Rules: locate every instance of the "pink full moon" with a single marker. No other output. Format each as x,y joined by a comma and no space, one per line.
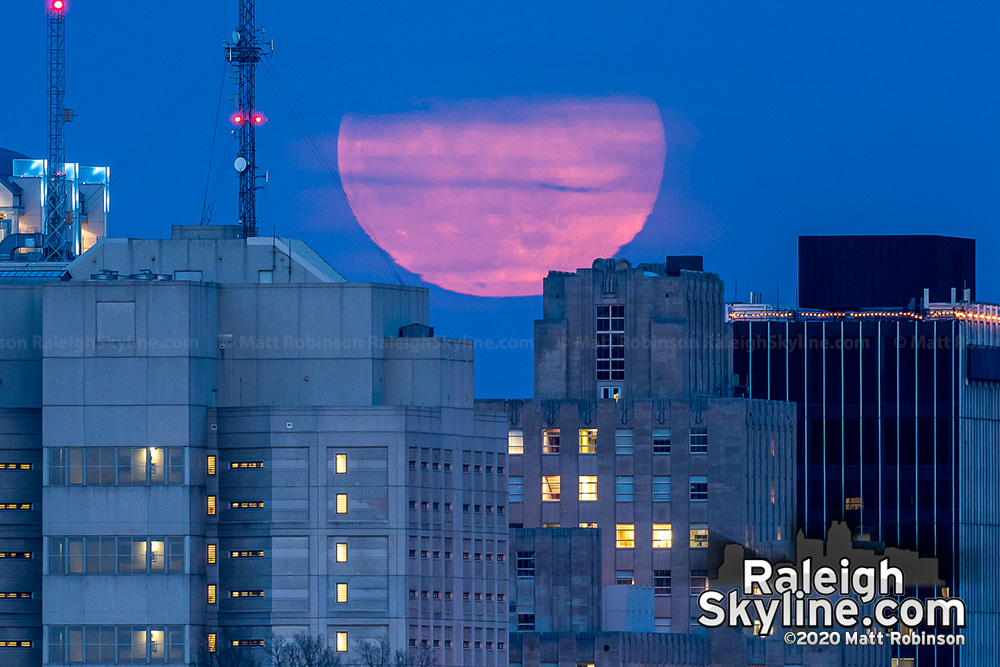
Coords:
485,198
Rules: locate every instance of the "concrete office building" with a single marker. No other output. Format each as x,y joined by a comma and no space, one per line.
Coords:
209,439
897,411
634,431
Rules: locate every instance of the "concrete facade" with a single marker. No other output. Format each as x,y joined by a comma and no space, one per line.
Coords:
250,449
634,432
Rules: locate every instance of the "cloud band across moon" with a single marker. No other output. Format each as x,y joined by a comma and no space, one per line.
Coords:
485,197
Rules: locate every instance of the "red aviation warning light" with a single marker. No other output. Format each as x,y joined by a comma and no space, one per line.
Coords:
57,5
258,118
238,118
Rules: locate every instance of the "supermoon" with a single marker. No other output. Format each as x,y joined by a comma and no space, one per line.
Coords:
485,198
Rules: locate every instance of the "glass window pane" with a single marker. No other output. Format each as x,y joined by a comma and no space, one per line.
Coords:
139,641
74,644
125,466
124,555
125,645
75,546
175,555
107,643
157,555
156,457
75,475
175,461
107,456
107,555
175,643
157,645
57,475
93,545
138,555
57,555
57,644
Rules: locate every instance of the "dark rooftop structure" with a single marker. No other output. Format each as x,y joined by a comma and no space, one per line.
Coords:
857,272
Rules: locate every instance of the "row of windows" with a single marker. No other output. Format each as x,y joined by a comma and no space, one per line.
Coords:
116,555
610,343
466,467
663,536
15,466
111,644
15,506
624,441
106,466
624,488
15,643
466,555
211,504
448,595
22,555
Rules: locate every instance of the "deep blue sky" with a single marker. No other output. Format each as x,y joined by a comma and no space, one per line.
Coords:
797,118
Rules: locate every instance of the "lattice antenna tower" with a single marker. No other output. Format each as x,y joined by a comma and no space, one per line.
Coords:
243,53
57,245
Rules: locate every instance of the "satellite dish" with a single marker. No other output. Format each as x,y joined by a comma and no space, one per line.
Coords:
240,164
236,36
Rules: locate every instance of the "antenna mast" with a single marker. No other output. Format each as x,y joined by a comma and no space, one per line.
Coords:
244,52
57,246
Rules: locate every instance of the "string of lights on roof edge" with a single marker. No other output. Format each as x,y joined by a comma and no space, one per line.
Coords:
806,316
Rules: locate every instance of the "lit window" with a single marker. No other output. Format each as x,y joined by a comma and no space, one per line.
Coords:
211,465
699,488
246,554
588,525
852,503
699,581
341,642
515,489
699,440
341,463
4,595
15,643
699,536
248,642
242,465
515,442
610,343
246,504
211,505
550,441
625,578
341,593
341,503
212,589
588,440
661,582
246,594
661,489
588,488
624,488
211,554
15,506
15,554
624,441
661,440
625,536
550,488
341,552
663,536
212,639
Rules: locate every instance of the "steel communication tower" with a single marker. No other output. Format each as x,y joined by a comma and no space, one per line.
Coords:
244,52
57,247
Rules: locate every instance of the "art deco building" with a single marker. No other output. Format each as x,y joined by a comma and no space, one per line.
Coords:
634,432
